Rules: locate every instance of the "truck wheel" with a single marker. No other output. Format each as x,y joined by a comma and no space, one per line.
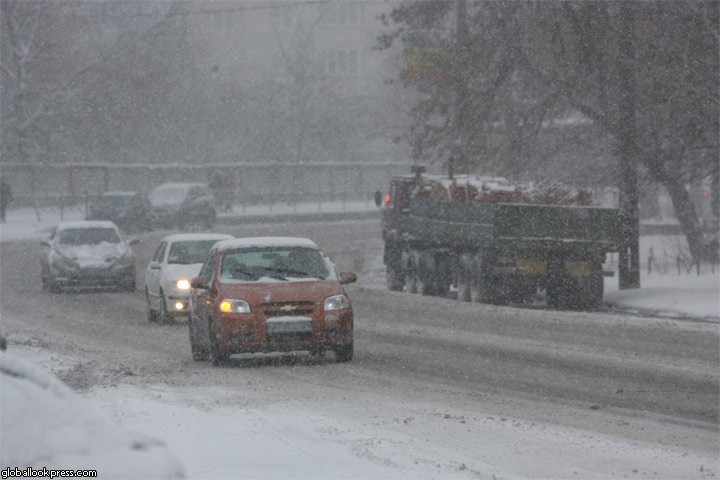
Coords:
394,278
464,273
576,293
562,294
411,280
520,293
443,274
481,290
478,291
553,296
477,286
426,274
590,292
344,354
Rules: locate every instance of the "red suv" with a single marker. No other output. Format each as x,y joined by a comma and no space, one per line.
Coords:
268,294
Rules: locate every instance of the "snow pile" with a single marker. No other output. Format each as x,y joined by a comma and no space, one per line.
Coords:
45,424
670,295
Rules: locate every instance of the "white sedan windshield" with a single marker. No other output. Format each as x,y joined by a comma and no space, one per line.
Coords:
189,252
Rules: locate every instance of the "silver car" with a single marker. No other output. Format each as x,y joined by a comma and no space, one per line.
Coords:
176,260
87,254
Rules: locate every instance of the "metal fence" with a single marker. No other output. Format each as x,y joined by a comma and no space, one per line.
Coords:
40,184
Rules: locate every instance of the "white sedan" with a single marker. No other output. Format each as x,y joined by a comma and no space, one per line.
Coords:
177,259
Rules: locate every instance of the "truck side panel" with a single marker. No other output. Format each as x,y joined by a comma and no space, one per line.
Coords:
564,223
460,225
451,224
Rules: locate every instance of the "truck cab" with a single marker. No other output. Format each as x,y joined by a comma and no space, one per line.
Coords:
396,203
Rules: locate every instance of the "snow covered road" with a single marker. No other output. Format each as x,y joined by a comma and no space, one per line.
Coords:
438,389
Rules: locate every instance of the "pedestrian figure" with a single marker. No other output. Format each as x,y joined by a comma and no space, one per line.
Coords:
5,198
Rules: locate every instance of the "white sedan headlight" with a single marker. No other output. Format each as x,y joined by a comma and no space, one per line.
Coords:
234,306
183,284
336,302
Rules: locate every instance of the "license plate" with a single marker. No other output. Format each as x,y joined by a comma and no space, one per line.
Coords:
289,326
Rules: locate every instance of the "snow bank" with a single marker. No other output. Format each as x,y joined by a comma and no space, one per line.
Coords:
45,424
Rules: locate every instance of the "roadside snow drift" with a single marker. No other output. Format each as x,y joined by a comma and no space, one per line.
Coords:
44,424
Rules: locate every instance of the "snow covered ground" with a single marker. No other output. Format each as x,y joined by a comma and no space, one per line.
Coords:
224,441
45,425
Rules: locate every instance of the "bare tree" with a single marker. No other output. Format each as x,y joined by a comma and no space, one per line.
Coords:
647,74
77,75
33,78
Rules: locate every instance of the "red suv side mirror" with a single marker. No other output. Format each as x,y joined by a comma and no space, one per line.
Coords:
347,277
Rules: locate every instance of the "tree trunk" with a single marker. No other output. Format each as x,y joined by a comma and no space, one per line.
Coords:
715,193
685,212
629,255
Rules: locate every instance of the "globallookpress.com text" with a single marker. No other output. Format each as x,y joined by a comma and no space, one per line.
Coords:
45,472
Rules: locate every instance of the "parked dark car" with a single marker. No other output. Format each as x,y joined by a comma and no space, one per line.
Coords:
128,210
182,204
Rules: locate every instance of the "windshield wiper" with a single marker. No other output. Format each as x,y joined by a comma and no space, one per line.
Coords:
277,277
295,273
248,273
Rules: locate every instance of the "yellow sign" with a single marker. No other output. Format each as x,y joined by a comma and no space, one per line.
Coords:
426,65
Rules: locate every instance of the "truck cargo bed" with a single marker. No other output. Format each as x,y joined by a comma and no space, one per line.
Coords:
484,224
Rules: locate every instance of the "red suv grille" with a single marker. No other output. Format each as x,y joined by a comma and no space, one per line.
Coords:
288,309
288,313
